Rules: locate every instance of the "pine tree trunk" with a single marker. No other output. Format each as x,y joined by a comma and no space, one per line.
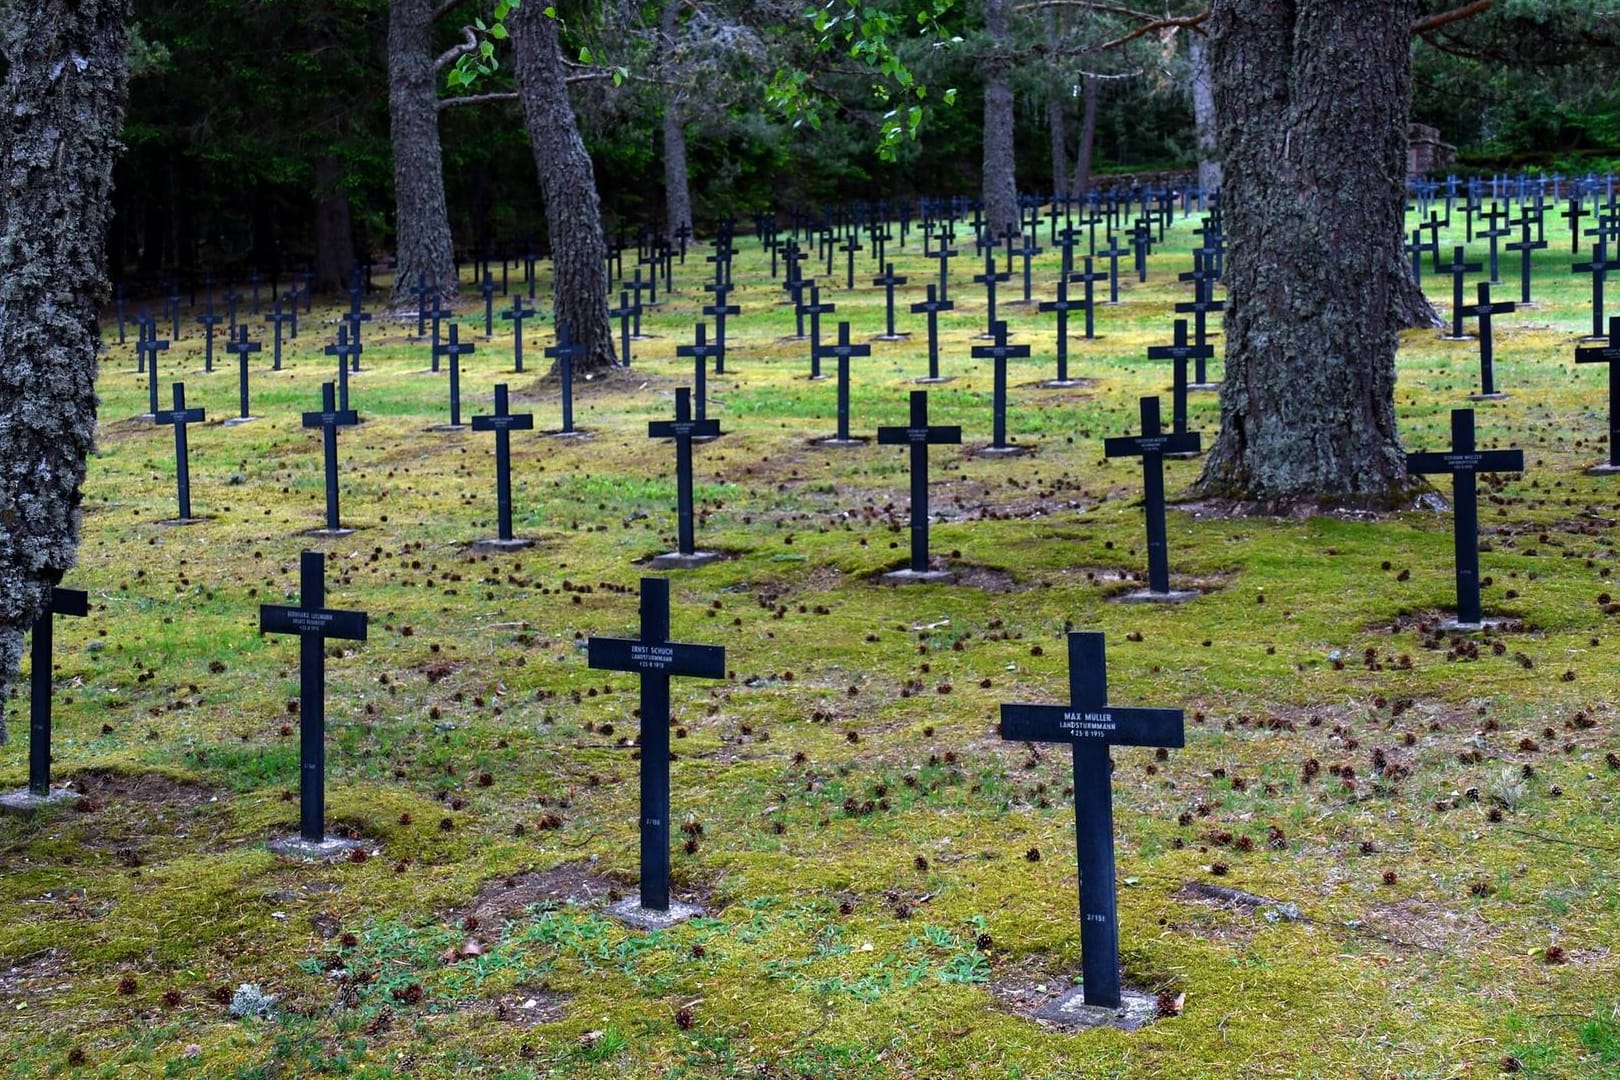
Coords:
334,228
573,214
1203,101
66,87
1058,131
424,250
1311,101
1088,136
677,189
1057,116
1000,173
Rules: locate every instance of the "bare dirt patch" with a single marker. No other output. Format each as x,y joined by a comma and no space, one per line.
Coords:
30,976
103,787
508,898
1422,924
524,1006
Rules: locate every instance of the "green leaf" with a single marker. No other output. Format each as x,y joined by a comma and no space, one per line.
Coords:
585,55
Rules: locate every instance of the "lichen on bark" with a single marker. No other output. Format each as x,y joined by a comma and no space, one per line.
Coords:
62,103
1311,102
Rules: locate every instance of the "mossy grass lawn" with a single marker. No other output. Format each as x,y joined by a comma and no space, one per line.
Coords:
889,888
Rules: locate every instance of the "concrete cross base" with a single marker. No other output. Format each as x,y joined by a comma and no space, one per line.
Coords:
1135,1010
1605,469
630,912
25,802
497,546
328,849
916,577
678,560
238,421
1148,596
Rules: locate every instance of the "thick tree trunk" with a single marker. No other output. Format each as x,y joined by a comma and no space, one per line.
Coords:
573,214
1057,129
66,86
1057,116
677,190
334,229
1000,172
1089,90
1311,101
1203,101
421,221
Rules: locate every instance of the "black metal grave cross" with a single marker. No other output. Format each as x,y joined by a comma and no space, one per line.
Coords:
149,345
656,660
1525,247
841,351
343,350
515,315
1151,446
1090,725
1483,311
1598,266
932,307
179,417
487,287
314,623
988,279
1608,353
889,280
278,319
1179,352
1459,266
455,349
1063,305
564,353
1464,462
700,351
329,419
683,429
243,348
209,319
999,352
1087,277
70,602
919,435
503,423
719,311
816,309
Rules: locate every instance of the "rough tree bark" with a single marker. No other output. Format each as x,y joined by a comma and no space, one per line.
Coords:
1057,129
1311,100
424,249
573,214
1000,177
1057,116
1089,90
66,86
677,189
1203,102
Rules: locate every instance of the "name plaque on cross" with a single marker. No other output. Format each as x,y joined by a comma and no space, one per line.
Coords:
655,659
1090,726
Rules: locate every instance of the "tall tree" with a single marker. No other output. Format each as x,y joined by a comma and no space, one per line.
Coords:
677,190
63,99
1000,175
1311,100
422,220
1203,101
573,213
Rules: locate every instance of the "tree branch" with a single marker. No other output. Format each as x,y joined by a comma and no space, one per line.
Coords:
478,99
468,44
1091,5
1191,22
1434,22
